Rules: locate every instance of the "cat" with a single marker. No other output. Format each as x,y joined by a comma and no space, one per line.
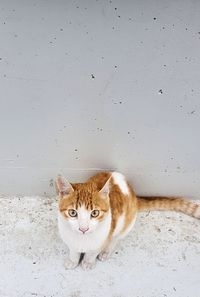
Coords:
94,215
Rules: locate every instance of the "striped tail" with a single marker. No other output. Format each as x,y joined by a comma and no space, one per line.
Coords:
169,203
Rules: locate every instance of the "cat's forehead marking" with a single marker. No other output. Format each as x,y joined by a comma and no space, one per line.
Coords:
83,198
119,180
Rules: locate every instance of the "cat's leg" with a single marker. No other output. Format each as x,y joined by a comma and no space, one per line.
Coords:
108,249
73,259
89,260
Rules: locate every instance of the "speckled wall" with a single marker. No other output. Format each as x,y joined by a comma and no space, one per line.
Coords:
91,85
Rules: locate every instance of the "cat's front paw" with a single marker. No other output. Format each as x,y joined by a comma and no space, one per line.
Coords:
103,256
69,264
87,265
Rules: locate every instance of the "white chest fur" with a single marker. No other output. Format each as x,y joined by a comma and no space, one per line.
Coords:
83,243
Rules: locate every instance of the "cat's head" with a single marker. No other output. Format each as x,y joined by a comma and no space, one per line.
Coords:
83,206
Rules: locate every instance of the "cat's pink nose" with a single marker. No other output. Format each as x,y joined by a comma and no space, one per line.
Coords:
83,230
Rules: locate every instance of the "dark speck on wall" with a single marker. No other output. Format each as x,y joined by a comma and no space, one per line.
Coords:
192,112
160,91
92,75
61,29
119,16
115,66
155,18
51,183
76,150
129,132
116,102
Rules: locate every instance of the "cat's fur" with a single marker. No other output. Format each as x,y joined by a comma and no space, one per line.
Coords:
111,195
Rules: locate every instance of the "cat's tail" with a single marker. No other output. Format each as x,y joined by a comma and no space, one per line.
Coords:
169,203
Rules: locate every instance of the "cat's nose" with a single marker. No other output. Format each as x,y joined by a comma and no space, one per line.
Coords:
83,230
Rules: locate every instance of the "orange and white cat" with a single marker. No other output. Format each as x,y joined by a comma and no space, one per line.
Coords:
94,215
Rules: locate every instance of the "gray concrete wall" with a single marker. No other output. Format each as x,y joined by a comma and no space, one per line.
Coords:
91,85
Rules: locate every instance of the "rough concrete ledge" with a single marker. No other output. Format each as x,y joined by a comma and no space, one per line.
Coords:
160,257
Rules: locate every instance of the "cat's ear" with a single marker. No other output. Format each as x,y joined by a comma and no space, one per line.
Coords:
63,187
106,189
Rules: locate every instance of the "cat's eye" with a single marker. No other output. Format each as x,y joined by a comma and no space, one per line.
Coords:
95,213
72,213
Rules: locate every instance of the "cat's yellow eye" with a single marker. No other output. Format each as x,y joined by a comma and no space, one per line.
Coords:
72,213
95,213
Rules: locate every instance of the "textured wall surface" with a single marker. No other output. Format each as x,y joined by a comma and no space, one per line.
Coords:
91,85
